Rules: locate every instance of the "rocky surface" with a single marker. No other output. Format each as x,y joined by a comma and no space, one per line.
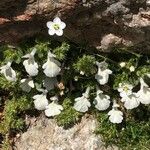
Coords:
100,23
44,134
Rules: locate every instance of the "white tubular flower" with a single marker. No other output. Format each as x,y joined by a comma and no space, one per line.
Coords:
8,72
49,83
144,93
40,101
52,66
115,115
132,69
103,73
102,102
82,73
53,109
125,89
56,27
82,103
122,64
27,84
131,101
30,65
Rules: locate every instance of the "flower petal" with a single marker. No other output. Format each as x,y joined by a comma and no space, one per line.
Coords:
115,116
31,83
62,25
40,102
49,83
59,32
50,24
31,68
57,20
53,109
51,31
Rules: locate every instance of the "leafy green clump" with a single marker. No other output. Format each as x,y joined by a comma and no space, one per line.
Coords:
12,114
61,51
13,118
86,64
69,116
133,133
6,85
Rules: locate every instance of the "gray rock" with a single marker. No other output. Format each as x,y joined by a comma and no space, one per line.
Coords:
45,134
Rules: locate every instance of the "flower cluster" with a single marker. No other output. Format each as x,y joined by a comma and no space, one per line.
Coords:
41,103
102,102
131,99
52,68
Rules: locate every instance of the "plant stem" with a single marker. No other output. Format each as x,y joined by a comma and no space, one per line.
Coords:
105,58
131,52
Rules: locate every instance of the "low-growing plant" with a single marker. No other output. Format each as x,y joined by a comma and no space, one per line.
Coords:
66,81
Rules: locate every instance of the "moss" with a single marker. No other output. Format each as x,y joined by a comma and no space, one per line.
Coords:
134,133
6,143
13,119
13,108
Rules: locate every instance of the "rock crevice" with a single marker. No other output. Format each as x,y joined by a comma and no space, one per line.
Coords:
101,23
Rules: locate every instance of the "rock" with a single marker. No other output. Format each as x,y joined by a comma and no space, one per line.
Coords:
109,41
91,21
47,135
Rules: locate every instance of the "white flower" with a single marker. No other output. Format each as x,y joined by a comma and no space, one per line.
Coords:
122,64
49,83
115,115
125,89
56,27
76,78
30,65
27,84
82,73
52,66
132,69
131,101
53,109
101,101
144,93
82,103
8,72
103,73
40,101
